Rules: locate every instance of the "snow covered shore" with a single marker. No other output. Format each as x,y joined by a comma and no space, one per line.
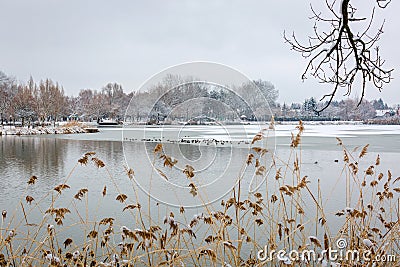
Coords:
321,122
45,130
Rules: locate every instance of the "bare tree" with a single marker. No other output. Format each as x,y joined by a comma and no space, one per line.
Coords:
341,54
58,101
23,104
140,105
98,105
43,99
7,86
50,99
85,98
350,110
268,90
258,97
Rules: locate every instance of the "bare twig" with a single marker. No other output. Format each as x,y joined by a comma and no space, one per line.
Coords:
341,55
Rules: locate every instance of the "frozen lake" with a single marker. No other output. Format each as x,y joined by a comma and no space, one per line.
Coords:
53,158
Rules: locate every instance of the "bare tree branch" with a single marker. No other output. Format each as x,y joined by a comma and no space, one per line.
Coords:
341,56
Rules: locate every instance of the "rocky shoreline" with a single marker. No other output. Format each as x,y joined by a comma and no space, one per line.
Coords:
46,130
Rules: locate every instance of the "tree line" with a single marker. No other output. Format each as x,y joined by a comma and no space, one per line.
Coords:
178,98
347,109
173,98
46,101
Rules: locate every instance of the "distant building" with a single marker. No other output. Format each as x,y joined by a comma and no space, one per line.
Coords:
385,113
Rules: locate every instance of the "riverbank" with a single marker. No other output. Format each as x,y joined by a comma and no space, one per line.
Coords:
392,121
12,130
321,122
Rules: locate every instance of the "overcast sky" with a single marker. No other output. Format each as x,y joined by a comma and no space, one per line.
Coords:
86,44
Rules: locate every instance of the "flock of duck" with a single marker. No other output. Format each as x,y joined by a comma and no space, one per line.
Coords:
189,141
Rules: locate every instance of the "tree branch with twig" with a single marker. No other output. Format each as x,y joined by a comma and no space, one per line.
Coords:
342,55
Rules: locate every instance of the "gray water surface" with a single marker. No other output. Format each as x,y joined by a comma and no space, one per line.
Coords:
54,160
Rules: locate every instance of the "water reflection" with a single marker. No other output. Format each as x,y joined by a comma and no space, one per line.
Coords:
22,157
190,152
52,158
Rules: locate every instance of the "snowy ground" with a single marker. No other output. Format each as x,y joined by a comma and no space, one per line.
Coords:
12,130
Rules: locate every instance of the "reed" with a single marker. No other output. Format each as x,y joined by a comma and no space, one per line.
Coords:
287,212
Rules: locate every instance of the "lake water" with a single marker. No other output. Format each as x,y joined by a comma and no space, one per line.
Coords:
53,159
